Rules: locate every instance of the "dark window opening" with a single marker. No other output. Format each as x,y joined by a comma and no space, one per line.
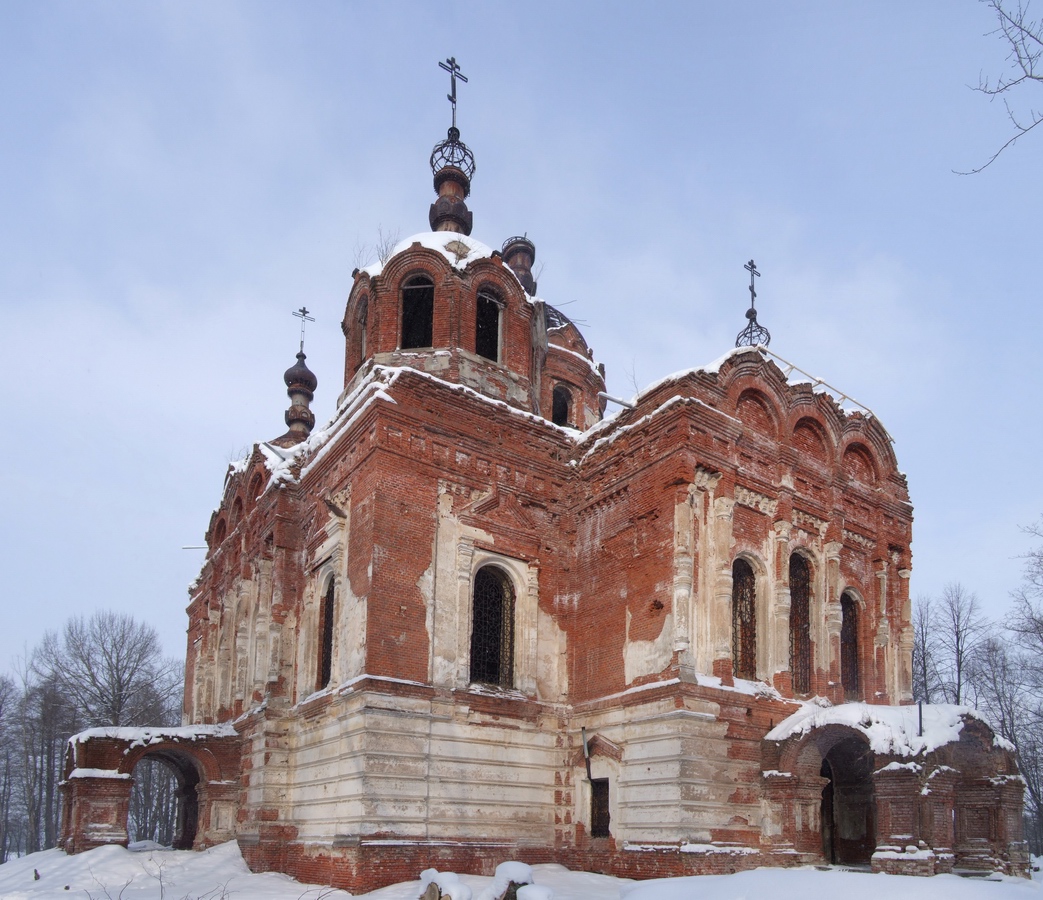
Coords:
744,620
492,628
849,645
599,814
326,637
418,312
562,405
800,623
359,355
487,328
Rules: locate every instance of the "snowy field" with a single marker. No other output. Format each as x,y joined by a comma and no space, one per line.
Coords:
221,874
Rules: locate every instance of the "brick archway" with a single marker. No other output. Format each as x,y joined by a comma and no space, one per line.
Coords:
820,788
99,769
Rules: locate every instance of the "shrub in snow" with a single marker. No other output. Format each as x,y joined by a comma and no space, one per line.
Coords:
435,885
509,877
535,892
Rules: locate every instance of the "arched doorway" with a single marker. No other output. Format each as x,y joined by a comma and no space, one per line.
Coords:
847,807
185,813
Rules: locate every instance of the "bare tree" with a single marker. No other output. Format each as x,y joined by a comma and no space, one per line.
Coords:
7,700
1024,39
382,248
961,629
925,672
110,669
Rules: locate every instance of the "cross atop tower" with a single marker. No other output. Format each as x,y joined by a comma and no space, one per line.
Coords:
451,66
754,334
302,314
751,267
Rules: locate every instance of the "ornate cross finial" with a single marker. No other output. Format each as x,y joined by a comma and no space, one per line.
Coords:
302,314
753,334
751,267
451,66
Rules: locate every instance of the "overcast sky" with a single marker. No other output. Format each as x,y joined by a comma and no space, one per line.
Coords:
176,178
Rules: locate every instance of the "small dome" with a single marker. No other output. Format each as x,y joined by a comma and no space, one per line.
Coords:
300,377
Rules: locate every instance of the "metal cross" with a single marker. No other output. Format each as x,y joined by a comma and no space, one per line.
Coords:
450,65
302,314
751,267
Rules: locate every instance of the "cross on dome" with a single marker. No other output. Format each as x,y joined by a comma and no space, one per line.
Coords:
453,68
754,334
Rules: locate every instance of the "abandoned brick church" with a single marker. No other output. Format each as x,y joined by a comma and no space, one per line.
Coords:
473,619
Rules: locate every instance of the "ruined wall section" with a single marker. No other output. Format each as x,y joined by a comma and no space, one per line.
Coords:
240,642
443,483
711,467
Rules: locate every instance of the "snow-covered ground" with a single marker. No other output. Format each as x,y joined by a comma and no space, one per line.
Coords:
221,874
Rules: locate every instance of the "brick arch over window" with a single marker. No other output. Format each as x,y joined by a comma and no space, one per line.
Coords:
744,620
810,440
859,465
418,312
492,627
254,491
849,645
800,623
356,327
755,410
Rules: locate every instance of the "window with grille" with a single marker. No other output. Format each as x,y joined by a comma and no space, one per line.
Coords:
418,312
800,623
487,327
599,814
325,668
744,620
849,645
492,628
561,406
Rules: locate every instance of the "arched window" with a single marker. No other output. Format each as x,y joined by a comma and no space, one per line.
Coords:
418,312
562,405
492,628
326,618
359,340
487,327
800,623
219,532
849,645
744,620
256,483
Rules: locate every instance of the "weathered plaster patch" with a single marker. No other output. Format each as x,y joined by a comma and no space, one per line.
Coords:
648,657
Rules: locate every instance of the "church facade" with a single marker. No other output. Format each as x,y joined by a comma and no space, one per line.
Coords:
473,619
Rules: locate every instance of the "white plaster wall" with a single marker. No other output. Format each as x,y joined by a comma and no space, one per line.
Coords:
374,763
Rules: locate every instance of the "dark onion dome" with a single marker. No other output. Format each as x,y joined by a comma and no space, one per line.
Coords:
300,378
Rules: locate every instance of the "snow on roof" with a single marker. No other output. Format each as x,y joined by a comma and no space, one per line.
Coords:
892,730
376,385
458,249
143,737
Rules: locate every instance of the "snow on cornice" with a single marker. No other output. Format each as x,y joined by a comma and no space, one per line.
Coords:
621,429
376,385
586,359
144,737
891,730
